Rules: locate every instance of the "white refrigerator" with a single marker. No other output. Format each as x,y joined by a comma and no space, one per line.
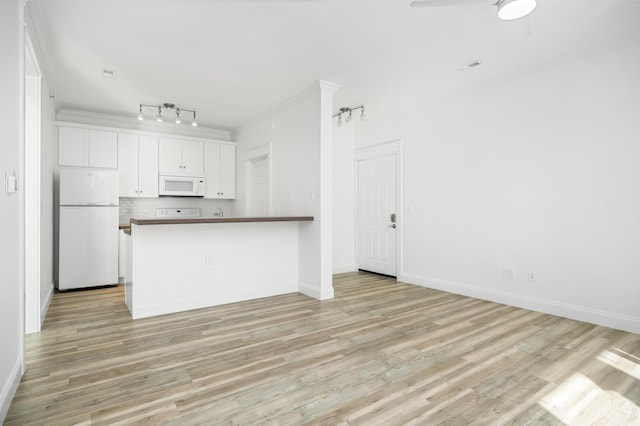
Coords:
88,242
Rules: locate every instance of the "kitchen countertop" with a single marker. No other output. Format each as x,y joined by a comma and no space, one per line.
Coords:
174,221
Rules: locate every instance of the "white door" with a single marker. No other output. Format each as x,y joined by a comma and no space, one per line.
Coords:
377,215
260,187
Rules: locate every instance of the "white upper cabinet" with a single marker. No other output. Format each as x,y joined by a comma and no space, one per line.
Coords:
138,165
103,149
220,170
73,146
148,166
181,158
128,164
87,147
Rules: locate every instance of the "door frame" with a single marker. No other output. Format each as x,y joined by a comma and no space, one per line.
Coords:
376,151
32,189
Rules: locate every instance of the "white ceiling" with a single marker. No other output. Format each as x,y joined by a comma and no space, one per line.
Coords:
233,59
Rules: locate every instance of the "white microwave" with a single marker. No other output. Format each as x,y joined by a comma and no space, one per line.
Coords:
181,186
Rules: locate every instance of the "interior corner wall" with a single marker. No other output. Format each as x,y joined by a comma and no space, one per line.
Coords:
534,172
293,132
344,139
11,93
48,163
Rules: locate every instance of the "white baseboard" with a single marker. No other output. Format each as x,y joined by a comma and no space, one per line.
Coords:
44,308
315,291
9,388
343,269
580,313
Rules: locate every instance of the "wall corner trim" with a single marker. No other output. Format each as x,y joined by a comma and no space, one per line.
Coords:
315,291
10,387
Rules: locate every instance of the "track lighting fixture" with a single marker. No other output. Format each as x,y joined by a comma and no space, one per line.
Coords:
514,9
349,114
160,118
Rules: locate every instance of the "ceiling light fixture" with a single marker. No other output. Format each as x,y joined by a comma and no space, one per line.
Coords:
514,9
349,111
165,106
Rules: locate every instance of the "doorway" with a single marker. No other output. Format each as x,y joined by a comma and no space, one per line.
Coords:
378,198
258,182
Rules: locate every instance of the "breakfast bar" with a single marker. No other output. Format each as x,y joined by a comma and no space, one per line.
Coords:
180,264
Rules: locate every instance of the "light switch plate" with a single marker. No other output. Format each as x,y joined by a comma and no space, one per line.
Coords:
11,183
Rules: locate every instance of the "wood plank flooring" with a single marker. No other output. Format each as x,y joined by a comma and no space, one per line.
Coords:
380,353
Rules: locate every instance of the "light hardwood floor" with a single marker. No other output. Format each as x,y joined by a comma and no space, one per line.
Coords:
380,353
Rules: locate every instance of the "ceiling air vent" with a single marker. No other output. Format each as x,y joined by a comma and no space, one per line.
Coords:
470,65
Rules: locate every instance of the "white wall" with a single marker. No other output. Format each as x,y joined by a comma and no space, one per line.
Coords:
344,139
538,171
294,131
11,122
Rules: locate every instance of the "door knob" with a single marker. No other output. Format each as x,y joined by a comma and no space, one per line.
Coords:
392,226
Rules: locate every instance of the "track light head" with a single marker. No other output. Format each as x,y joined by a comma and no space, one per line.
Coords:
515,9
349,112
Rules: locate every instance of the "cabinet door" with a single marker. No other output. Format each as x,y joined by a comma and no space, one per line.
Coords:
73,146
128,164
170,157
212,169
192,158
148,167
103,149
227,171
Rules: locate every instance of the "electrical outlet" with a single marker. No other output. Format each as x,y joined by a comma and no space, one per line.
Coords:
507,273
532,276
208,259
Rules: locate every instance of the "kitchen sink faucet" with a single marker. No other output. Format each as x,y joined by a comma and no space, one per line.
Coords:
219,212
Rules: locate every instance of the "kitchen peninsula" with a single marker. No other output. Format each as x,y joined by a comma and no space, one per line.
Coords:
180,264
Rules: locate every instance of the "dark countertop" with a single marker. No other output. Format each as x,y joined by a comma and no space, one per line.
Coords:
124,226
177,221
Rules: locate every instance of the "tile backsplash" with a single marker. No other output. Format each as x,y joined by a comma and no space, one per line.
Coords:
144,208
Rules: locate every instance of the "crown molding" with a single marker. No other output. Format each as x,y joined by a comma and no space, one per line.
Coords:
38,34
132,123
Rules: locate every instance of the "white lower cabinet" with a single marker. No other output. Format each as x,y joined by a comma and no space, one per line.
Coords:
220,170
138,170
